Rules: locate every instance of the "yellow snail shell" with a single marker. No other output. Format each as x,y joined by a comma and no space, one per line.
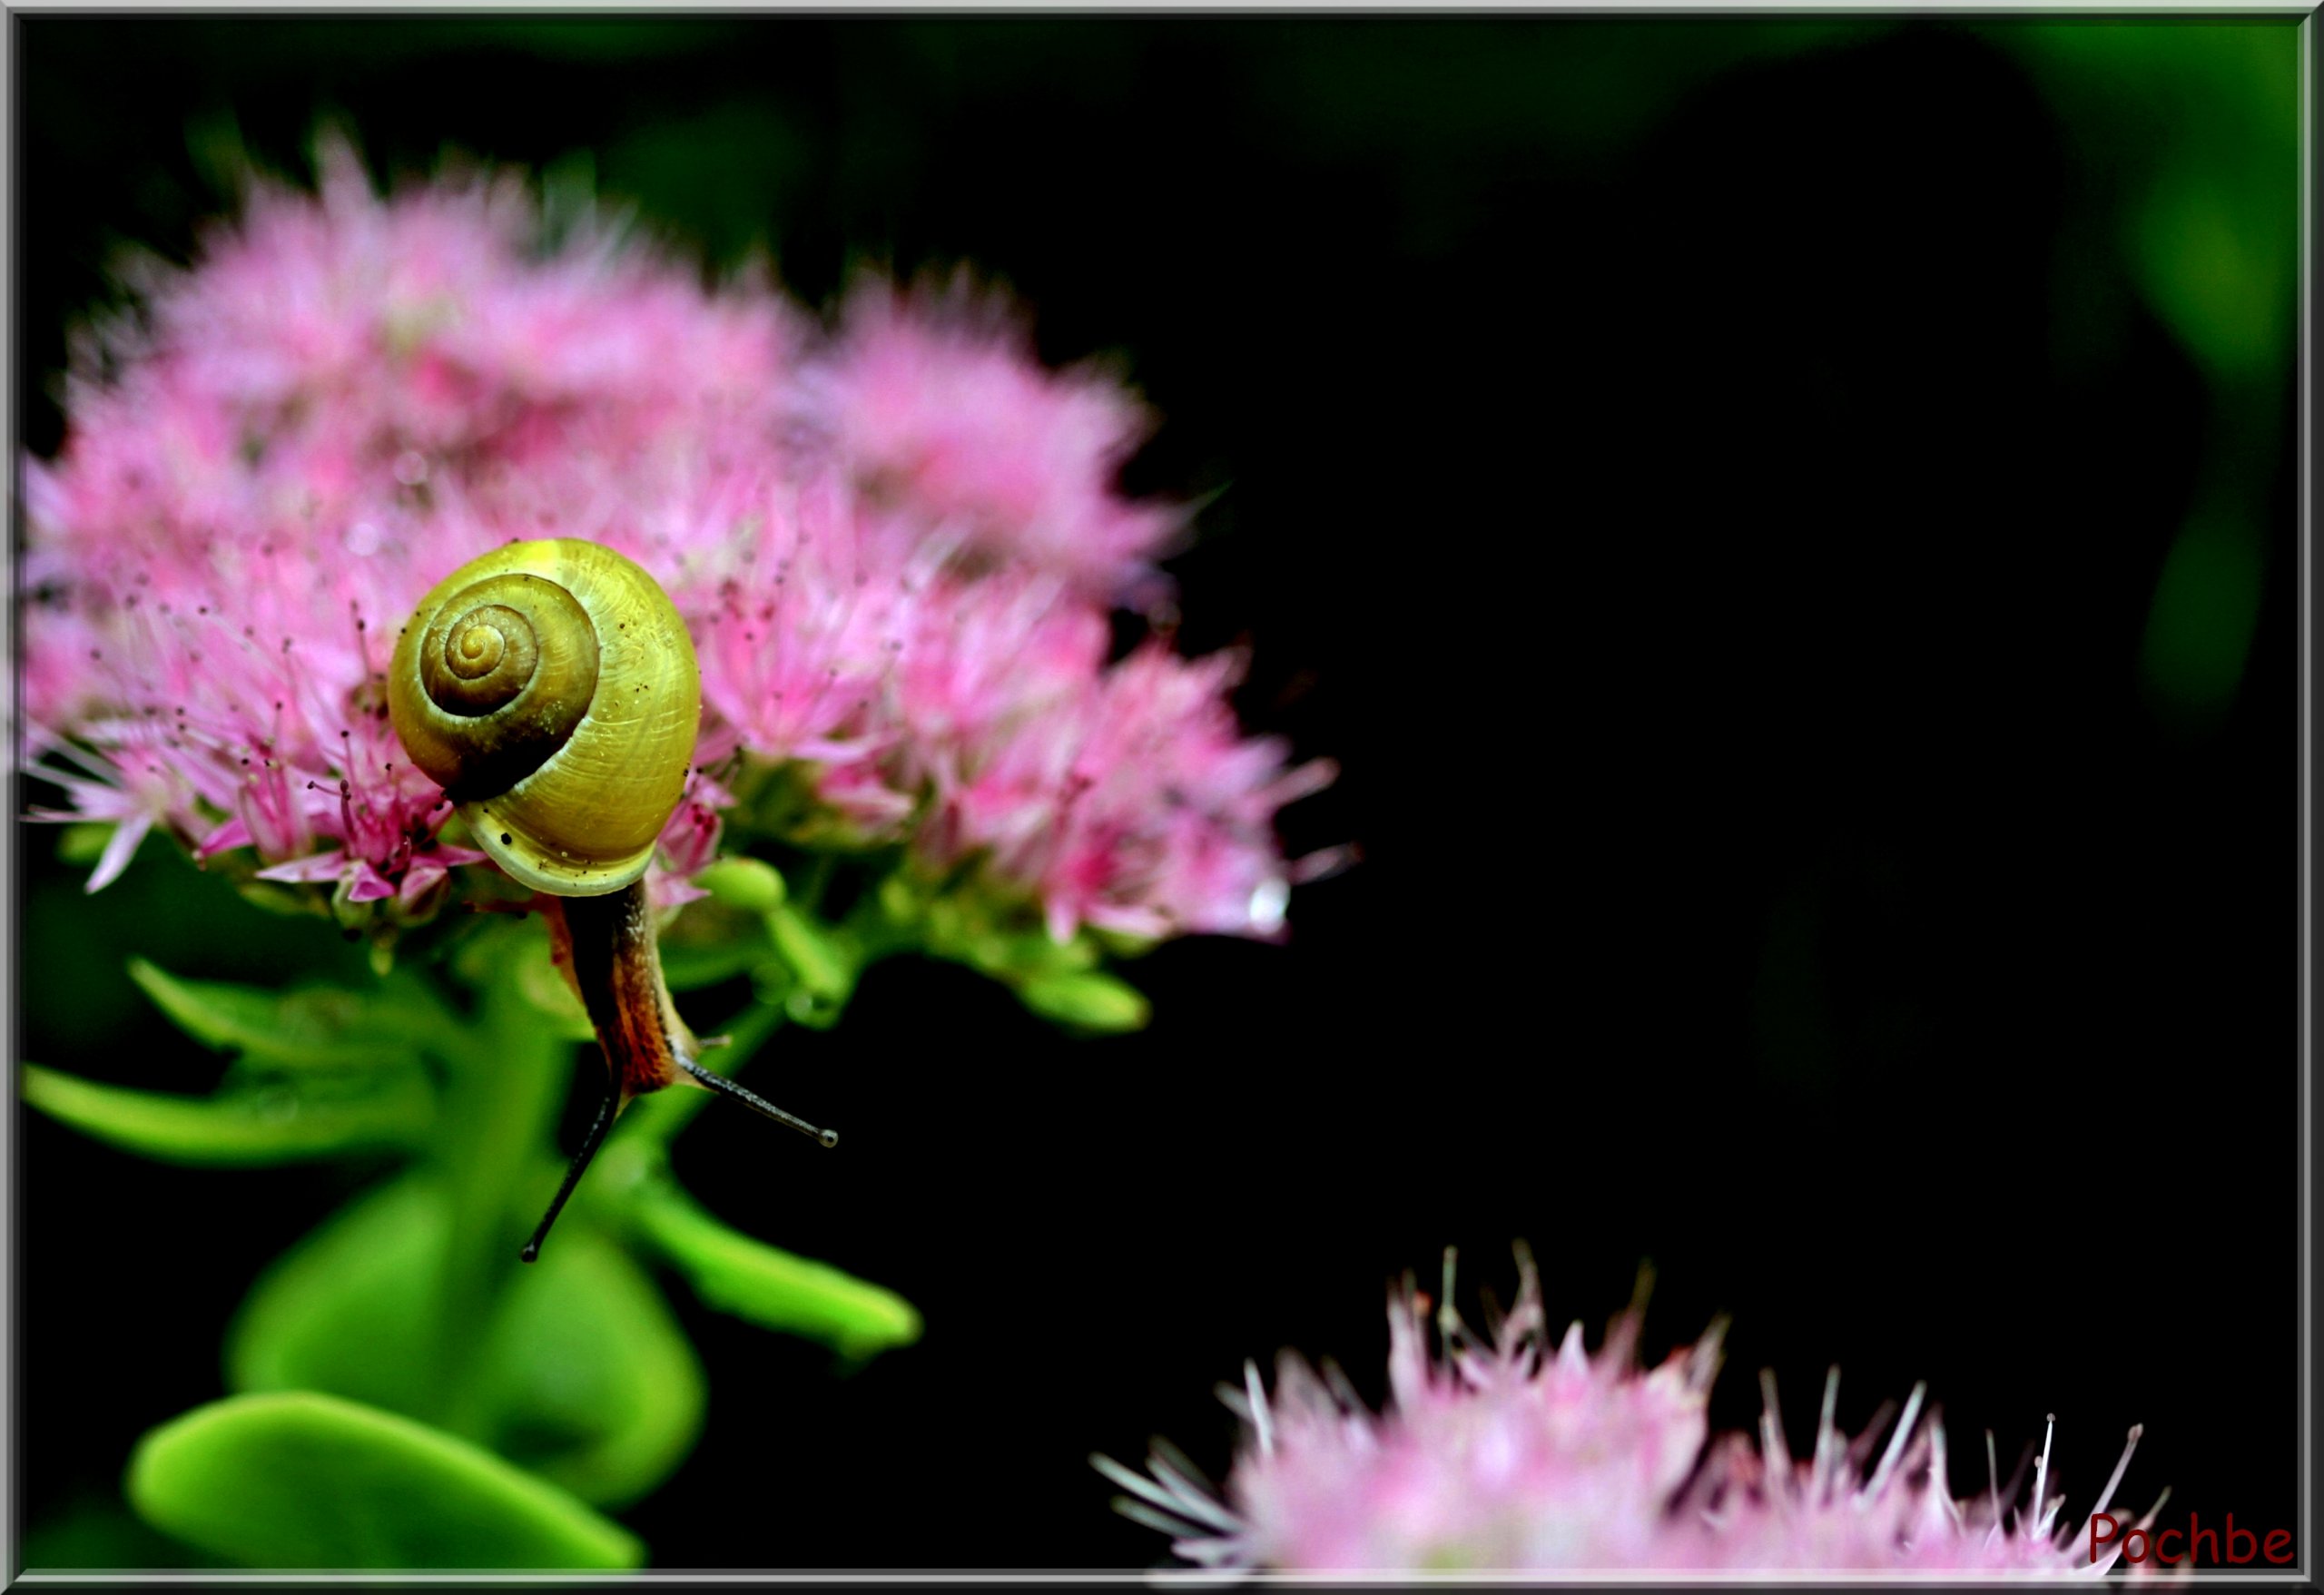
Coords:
551,688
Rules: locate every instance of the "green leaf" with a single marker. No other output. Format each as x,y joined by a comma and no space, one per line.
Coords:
1094,1002
818,955
276,1123
277,897
495,946
94,1533
2206,604
515,954
1035,954
582,1376
84,842
324,1026
774,1289
303,1479
990,937
544,986
593,1384
351,1309
689,963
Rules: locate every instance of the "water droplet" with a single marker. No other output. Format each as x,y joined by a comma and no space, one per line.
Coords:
1268,900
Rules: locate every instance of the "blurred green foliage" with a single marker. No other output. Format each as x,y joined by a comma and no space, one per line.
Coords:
517,1404
302,1480
587,1380
2187,139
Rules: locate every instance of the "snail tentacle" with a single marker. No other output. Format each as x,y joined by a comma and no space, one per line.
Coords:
608,1108
756,1103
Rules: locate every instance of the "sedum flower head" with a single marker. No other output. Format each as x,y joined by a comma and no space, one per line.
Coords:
951,424
895,544
1508,1454
1851,1506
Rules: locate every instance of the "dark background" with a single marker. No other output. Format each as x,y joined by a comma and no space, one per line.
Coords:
1706,483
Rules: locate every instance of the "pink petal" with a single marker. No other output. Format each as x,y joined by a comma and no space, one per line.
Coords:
369,885
235,832
119,850
316,867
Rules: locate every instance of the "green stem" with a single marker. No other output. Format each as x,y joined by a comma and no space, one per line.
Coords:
502,1100
818,880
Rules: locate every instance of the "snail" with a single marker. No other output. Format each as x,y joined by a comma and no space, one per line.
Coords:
551,689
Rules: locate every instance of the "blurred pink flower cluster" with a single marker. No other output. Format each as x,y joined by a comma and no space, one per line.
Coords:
896,542
1510,1456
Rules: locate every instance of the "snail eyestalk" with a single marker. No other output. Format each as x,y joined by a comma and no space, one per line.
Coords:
607,949
608,1109
756,1103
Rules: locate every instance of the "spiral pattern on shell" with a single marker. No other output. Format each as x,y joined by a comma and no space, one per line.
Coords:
477,660
515,658
551,688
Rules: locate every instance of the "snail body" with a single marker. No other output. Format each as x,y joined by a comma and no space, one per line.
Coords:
550,687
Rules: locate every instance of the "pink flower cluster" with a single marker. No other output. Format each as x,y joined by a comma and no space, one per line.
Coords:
1512,1456
895,543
